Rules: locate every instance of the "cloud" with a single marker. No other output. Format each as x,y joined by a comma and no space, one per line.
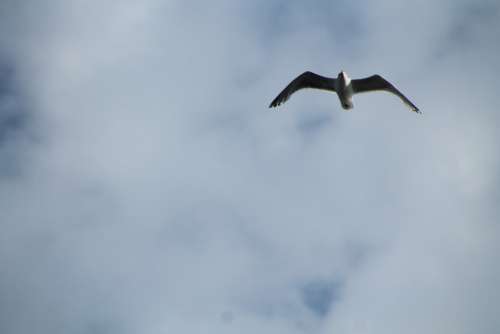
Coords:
155,192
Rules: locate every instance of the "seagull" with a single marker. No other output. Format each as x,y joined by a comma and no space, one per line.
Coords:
343,86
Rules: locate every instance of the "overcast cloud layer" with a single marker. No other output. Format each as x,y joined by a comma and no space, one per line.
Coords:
146,188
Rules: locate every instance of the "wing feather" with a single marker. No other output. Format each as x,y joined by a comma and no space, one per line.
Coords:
305,80
376,82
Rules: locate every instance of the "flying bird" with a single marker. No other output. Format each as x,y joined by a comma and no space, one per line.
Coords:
343,86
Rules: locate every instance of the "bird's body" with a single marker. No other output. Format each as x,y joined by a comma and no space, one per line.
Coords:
344,91
343,86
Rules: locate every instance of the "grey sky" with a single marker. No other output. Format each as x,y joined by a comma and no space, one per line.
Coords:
146,188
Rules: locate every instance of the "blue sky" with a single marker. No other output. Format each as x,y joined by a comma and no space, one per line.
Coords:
145,187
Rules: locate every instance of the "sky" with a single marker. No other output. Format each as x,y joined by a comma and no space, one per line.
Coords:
145,187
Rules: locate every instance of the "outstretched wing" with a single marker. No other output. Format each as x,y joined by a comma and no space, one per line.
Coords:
305,80
376,82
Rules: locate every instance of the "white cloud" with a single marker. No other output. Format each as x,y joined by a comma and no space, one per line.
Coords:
157,193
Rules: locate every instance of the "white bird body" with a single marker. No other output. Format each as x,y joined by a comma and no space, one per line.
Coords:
344,90
343,86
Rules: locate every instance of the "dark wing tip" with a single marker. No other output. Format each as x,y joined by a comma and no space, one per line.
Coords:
413,107
278,100
274,104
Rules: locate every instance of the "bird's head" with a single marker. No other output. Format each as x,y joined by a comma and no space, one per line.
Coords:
343,76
